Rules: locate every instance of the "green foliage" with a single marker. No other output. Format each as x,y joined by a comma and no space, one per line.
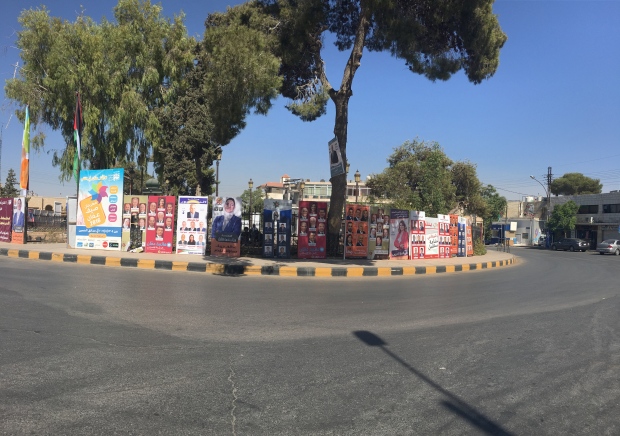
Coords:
257,200
122,69
495,207
9,189
421,177
479,248
574,184
564,217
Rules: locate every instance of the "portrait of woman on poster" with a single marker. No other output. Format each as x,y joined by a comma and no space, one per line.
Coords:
161,203
192,240
312,208
349,240
126,224
228,222
401,241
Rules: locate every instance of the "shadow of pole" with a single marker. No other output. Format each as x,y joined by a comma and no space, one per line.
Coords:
453,403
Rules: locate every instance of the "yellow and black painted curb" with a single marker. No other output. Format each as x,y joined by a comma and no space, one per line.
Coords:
253,270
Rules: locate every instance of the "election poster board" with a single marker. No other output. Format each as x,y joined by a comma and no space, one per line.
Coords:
6,219
469,240
191,225
444,236
226,227
160,224
454,235
462,249
336,164
357,232
277,221
399,234
312,244
379,234
418,234
431,238
134,222
99,214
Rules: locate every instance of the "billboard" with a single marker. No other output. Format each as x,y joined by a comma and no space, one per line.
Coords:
191,224
277,220
98,224
160,224
312,230
226,227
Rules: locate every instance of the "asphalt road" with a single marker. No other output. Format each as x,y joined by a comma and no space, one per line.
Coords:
523,350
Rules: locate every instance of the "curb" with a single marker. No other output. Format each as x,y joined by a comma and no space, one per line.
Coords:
253,270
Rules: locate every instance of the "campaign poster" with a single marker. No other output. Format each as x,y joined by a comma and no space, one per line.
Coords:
191,225
399,234
134,222
6,218
431,238
444,236
418,234
336,165
462,252
160,223
357,226
312,234
277,220
226,227
99,215
454,235
469,241
379,234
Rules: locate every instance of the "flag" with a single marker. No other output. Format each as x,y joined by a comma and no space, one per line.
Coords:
77,132
24,177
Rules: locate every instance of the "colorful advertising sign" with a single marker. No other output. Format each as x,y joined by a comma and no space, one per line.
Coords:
99,212
277,219
399,234
160,224
192,225
418,234
134,222
444,236
357,230
312,230
6,219
379,234
226,227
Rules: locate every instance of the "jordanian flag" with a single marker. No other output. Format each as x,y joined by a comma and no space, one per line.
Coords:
77,133
24,177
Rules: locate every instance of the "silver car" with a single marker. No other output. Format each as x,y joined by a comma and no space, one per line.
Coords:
611,246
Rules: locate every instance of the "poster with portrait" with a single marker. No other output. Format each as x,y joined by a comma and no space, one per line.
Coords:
379,233
134,222
277,220
312,243
469,240
357,230
444,236
336,164
462,249
99,214
160,214
454,235
399,234
191,225
226,227
6,219
418,234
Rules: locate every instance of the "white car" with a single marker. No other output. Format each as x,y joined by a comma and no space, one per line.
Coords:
610,246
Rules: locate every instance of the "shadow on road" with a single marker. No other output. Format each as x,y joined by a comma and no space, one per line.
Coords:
452,402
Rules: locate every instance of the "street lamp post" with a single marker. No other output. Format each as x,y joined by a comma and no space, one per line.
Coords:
357,185
218,158
302,185
547,242
250,185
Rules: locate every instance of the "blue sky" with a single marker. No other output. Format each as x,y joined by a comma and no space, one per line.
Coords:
554,101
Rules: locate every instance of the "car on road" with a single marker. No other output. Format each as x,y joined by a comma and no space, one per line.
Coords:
542,241
610,246
570,244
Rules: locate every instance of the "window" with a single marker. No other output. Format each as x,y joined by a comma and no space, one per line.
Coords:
611,208
588,209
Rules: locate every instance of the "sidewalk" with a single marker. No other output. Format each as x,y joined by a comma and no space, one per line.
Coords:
255,265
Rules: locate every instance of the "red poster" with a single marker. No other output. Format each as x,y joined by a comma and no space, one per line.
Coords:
160,224
399,234
357,231
454,235
311,227
6,217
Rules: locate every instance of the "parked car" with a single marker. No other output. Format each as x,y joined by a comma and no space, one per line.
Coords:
542,241
570,244
611,246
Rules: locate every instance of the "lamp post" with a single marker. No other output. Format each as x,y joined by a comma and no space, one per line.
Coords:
302,185
218,158
547,242
250,185
357,185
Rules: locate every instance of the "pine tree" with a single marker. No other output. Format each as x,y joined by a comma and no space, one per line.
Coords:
9,189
